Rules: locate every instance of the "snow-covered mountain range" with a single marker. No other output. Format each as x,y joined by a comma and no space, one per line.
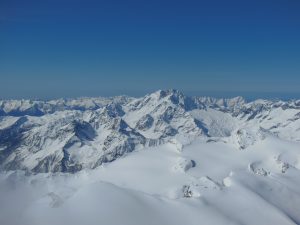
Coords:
68,135
162,159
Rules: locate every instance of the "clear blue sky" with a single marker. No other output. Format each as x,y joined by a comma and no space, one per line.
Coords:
60,48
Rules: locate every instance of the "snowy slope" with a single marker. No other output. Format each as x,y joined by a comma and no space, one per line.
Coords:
209,183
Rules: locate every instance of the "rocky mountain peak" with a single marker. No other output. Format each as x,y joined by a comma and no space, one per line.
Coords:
71,134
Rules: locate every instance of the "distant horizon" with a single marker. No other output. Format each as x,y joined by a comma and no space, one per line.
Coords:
248,96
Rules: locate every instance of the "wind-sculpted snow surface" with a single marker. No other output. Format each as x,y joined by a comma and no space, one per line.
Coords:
161,159
210,183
